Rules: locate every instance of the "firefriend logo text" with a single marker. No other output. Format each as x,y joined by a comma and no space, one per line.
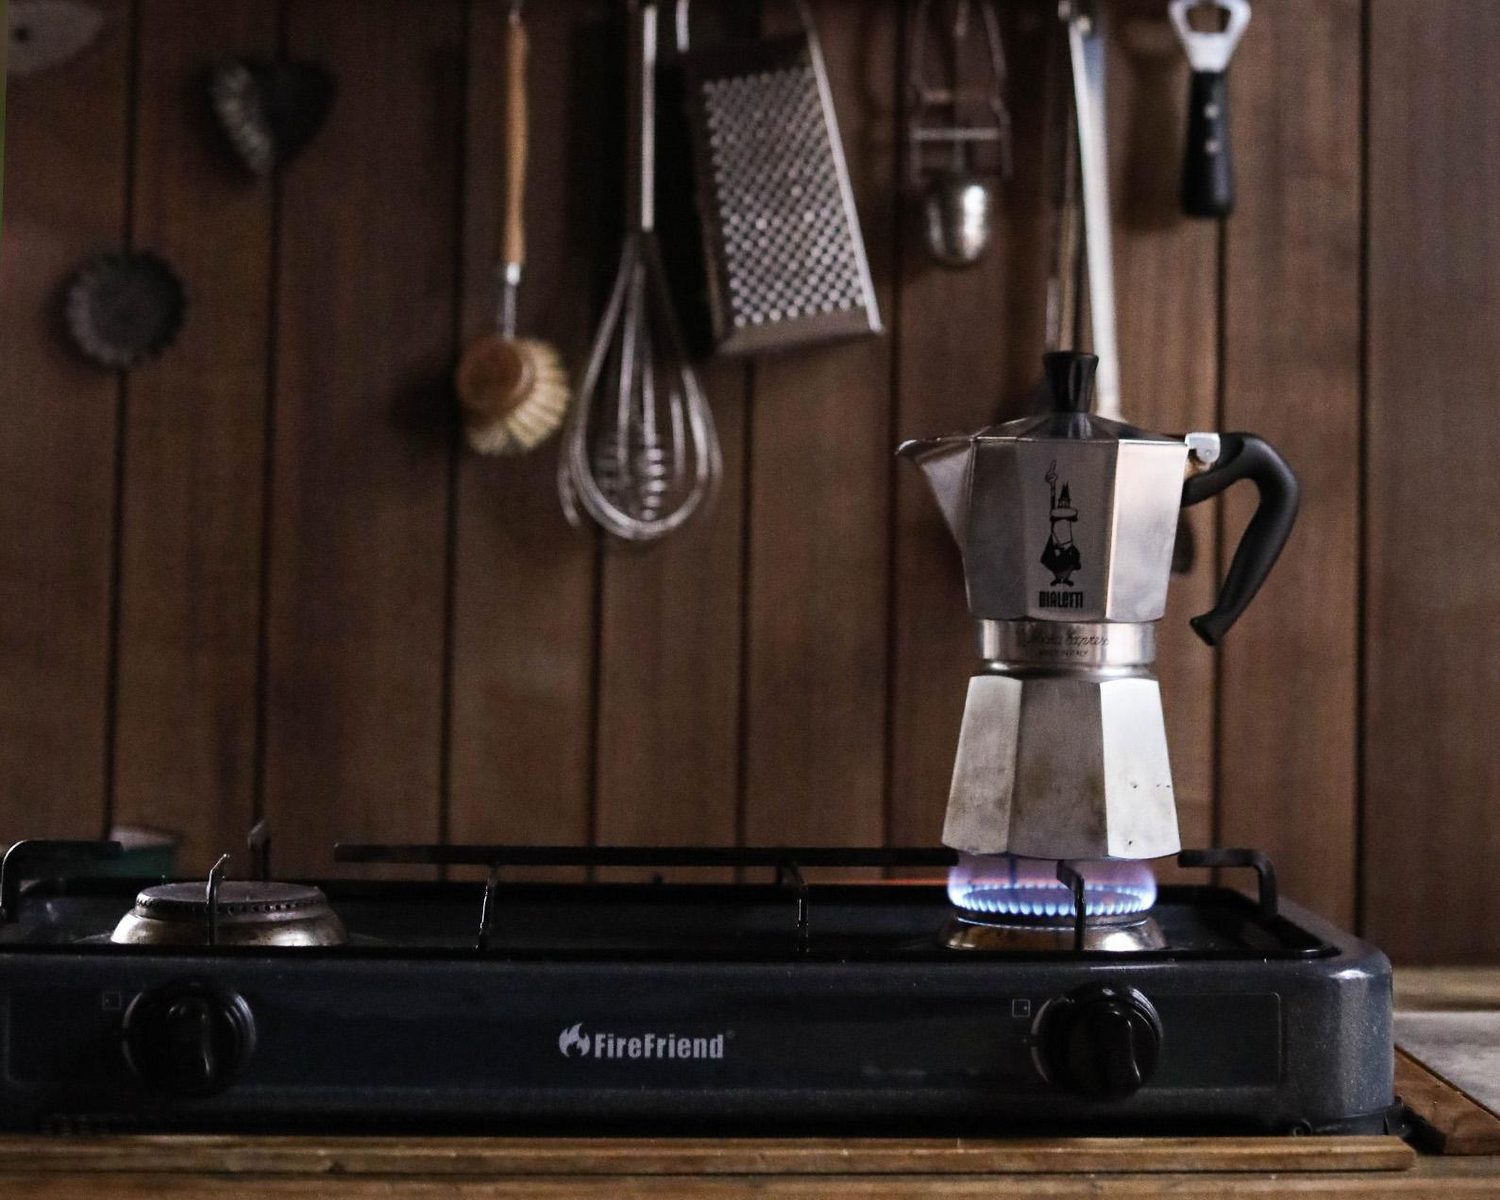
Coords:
573,1042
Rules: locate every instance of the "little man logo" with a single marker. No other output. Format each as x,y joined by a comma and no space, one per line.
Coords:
1061,556
572,1042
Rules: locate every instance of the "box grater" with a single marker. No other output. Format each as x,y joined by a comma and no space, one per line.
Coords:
785,259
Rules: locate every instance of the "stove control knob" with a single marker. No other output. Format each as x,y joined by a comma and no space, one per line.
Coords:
1100,1041
188,1038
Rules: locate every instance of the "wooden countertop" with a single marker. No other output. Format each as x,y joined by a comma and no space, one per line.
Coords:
216,1167
224,1167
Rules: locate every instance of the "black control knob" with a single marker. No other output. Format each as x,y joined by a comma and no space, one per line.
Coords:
1101,1041
188,1038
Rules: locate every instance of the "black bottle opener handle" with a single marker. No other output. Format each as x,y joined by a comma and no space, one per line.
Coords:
1245,456
1207,168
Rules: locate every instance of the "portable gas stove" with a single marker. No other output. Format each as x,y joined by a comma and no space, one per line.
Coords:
1005,1002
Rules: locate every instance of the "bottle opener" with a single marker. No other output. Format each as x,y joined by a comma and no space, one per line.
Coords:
1207,169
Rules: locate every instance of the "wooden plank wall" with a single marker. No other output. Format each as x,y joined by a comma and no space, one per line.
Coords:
261,576
1432,528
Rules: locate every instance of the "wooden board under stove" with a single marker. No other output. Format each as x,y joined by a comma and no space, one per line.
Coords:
181,1167
1446,1121
493,1157
61,1168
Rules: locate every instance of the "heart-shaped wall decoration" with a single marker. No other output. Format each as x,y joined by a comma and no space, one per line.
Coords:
270,111
47,33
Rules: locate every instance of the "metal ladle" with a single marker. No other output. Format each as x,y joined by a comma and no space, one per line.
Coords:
957,201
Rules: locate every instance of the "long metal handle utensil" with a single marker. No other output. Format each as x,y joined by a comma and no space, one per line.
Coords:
517,147
640,455
1086,57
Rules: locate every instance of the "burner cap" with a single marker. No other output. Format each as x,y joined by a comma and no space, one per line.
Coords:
238,898
248,912
971,931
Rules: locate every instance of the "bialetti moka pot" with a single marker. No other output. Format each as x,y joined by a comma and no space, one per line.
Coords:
1066,523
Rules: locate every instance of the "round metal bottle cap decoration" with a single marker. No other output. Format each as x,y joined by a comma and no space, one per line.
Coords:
124,308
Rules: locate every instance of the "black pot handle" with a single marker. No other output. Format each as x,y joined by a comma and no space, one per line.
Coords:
1245,456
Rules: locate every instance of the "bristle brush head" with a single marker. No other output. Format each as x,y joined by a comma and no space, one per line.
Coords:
514,393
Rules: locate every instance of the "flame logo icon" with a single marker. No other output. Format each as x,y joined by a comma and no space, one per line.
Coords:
573,1041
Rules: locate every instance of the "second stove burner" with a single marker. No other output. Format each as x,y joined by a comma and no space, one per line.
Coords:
248,913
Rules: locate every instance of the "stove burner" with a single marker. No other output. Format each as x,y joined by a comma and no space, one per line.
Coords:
1007,885
248,912
1137,931
1007,902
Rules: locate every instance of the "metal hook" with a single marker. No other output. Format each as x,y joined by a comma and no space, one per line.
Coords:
259,844
790,874
215,878
1071,878
487,908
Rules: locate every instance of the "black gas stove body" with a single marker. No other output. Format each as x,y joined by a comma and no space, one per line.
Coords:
674,1008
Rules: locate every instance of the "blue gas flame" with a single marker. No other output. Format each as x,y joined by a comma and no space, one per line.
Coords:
1009,885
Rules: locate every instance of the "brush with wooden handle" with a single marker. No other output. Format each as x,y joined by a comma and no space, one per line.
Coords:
514,391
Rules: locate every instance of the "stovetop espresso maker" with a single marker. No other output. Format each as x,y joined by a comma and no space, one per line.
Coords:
1066,522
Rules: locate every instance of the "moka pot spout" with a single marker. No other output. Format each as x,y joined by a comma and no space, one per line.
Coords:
947,464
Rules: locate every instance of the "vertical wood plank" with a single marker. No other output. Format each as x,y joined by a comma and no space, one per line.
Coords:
65,197
1287,696
671,615
820,480
524,593
970,343
4,79
670,667
5,17
194,450
363,431
1432,535
1166,289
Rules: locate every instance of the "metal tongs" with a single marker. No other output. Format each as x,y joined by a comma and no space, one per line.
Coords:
950,122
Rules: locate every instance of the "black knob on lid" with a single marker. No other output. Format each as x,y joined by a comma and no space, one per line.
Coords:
1070,380
1100,1041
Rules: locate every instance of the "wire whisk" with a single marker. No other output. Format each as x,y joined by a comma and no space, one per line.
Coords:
640,454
